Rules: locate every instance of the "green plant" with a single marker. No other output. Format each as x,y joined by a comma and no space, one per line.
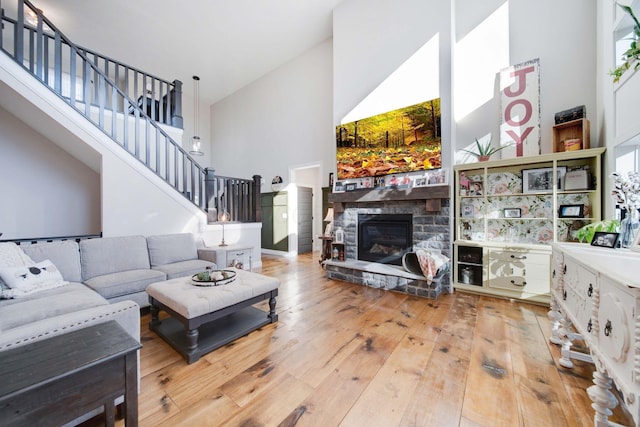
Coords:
486,149
586,233
632,55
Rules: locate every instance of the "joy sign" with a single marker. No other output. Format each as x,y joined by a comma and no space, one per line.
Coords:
520,96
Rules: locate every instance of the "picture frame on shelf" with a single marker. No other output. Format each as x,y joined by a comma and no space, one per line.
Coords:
475,188
540,180
576,180
466,209
571,211
350,186
338,187
437,177
421,181
378,181
331,179
604,239
512,212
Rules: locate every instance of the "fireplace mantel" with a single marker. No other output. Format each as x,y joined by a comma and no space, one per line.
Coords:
432,196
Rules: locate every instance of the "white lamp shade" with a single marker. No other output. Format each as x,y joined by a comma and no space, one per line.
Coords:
329,216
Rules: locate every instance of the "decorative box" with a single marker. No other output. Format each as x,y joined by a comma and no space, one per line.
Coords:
574,113
576,180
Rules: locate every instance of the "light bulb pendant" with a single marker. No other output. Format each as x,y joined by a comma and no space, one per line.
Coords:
195,141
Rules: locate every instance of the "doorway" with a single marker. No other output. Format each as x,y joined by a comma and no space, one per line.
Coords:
308,176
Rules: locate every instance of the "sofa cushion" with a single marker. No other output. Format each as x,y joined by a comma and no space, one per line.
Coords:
108,255
184,268
124,282
47,304
31,278
11,255
64,254
169,248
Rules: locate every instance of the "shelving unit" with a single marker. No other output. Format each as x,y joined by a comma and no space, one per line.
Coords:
575,129
507,214
337,252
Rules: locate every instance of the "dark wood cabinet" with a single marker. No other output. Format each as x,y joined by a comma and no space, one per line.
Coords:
275,222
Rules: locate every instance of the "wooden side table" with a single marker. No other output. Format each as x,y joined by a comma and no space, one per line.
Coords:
55,381
326,248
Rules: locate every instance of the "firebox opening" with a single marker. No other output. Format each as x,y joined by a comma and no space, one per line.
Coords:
384,238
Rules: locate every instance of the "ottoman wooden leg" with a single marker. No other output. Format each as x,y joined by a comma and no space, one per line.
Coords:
192,340
272,309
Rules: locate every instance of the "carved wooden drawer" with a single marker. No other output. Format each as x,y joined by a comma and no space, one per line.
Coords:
579,290
617,331
557,271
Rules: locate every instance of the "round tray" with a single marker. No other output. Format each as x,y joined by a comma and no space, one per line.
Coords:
229,276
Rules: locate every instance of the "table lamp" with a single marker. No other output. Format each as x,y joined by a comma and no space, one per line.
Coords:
329,229
223,217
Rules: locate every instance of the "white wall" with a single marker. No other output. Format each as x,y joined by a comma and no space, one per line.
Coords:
561,34
134,199
45,192
280,120
373,39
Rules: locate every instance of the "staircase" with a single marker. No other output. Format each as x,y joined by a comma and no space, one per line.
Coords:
128,105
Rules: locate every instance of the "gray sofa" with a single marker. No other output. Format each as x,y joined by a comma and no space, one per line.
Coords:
108,278
121,268
60,310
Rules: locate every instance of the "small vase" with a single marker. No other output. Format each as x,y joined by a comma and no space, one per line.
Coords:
629,228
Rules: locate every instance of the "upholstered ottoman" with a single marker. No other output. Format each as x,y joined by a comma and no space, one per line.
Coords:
203,318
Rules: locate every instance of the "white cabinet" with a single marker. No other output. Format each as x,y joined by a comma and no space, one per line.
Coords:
597,290
228,256
519,272
509,211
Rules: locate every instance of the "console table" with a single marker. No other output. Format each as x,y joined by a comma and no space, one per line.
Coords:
57,380
597,291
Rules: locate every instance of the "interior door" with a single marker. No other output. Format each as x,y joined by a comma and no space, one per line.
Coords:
305,220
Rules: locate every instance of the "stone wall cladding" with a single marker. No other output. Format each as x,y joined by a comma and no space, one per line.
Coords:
387,282
431,230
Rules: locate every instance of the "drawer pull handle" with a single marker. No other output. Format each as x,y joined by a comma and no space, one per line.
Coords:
590,291
589,326
564,269
513,282
607,328
554,273
564,295
518,257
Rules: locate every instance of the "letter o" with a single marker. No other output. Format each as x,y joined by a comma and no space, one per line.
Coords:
528,111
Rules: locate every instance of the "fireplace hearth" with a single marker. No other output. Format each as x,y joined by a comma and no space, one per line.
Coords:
384,238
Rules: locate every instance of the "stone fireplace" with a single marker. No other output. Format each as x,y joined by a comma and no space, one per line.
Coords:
429,227
384,238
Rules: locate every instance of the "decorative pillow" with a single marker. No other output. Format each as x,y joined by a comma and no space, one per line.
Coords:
11,255
25,280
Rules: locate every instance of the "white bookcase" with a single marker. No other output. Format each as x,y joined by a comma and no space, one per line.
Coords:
508,212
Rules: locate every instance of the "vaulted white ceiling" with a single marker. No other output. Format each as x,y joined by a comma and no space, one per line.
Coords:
228,43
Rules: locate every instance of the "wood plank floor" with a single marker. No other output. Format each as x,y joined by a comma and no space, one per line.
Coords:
347,355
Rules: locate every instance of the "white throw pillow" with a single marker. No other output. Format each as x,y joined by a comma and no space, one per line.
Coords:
28,279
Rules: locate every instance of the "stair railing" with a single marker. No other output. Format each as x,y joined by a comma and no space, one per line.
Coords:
85,87
103,91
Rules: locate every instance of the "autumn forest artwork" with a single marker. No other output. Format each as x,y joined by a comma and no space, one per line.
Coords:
403,140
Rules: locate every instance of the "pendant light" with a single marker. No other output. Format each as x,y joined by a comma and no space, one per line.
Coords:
195,141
